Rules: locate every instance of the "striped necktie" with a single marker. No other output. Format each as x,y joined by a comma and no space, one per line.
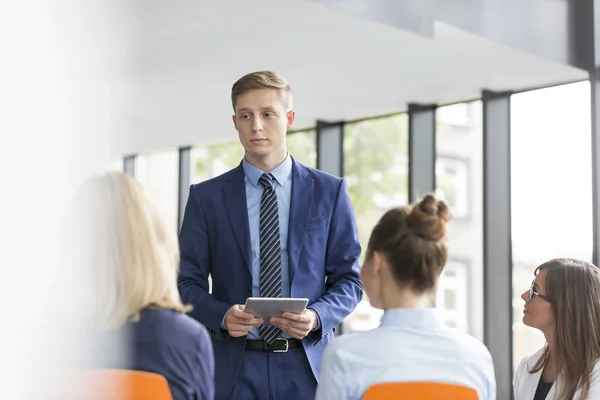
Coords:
270,251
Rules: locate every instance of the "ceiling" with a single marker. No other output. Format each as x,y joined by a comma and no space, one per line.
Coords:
179,63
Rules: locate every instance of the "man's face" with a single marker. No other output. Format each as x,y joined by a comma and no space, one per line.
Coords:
262,121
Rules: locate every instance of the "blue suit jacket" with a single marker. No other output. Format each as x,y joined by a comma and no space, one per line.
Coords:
323,253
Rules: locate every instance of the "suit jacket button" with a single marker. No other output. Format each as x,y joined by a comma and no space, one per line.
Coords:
250,289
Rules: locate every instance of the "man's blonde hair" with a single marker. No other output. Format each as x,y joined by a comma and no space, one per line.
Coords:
129,253
261,80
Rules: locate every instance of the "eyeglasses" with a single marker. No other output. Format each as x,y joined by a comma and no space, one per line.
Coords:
532,293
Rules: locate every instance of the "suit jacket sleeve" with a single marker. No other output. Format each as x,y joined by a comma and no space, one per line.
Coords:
195,267
342,271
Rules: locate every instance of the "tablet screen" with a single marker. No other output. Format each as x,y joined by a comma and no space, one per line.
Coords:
267,307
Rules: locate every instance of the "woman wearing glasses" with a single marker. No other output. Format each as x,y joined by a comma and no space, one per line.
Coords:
564,303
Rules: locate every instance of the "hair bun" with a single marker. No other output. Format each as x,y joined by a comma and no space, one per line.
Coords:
428,218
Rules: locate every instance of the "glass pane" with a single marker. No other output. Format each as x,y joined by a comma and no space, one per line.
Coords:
551,189
159,173
302,146
376,168
215,159
459,180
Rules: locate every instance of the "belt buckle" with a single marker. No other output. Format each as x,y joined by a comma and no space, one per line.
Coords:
287,346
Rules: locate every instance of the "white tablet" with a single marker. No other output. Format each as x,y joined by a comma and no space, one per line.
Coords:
267,307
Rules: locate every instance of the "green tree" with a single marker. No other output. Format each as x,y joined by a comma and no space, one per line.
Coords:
302,145
215,159
376,168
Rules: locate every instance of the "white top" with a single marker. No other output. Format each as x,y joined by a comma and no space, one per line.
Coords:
410,345
525,384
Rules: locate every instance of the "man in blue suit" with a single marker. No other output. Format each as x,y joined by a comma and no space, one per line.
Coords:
271,227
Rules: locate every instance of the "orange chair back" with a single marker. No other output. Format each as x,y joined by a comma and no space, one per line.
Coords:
120,384
420,391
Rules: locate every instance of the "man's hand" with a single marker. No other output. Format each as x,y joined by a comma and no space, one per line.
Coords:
297,325
238,323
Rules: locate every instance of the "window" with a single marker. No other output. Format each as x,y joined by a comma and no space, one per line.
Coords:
376,168
213,160
459,116
159,173
459,181
452,295
452,178
302,145
551,187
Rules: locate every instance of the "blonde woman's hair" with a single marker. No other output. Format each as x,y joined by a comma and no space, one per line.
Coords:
261,80
130,253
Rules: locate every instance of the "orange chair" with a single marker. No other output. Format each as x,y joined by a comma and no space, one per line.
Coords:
118,384
420,391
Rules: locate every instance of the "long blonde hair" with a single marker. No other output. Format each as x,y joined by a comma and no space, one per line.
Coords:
573,287
131,255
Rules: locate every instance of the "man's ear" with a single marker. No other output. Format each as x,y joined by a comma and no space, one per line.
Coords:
234,119
291,116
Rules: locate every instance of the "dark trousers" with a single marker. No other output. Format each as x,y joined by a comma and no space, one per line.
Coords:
274,376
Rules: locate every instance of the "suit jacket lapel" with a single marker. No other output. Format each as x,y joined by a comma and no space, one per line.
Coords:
234,193
301,203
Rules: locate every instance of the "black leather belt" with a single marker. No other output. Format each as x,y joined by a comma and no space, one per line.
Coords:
280,345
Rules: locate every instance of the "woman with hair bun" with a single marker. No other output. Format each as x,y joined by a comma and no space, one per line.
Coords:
405,257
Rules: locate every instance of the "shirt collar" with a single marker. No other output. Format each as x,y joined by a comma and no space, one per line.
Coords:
280,173
423,318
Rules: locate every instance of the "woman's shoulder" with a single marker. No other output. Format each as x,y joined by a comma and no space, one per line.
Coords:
596,371
352,347
530,360
465,342
175,322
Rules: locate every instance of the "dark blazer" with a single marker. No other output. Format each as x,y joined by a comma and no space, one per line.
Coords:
323,249
176,346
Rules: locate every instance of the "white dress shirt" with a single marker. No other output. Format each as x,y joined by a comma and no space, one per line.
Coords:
410,345
526,383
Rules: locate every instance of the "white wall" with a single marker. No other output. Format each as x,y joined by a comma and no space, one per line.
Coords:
182,61
56,74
